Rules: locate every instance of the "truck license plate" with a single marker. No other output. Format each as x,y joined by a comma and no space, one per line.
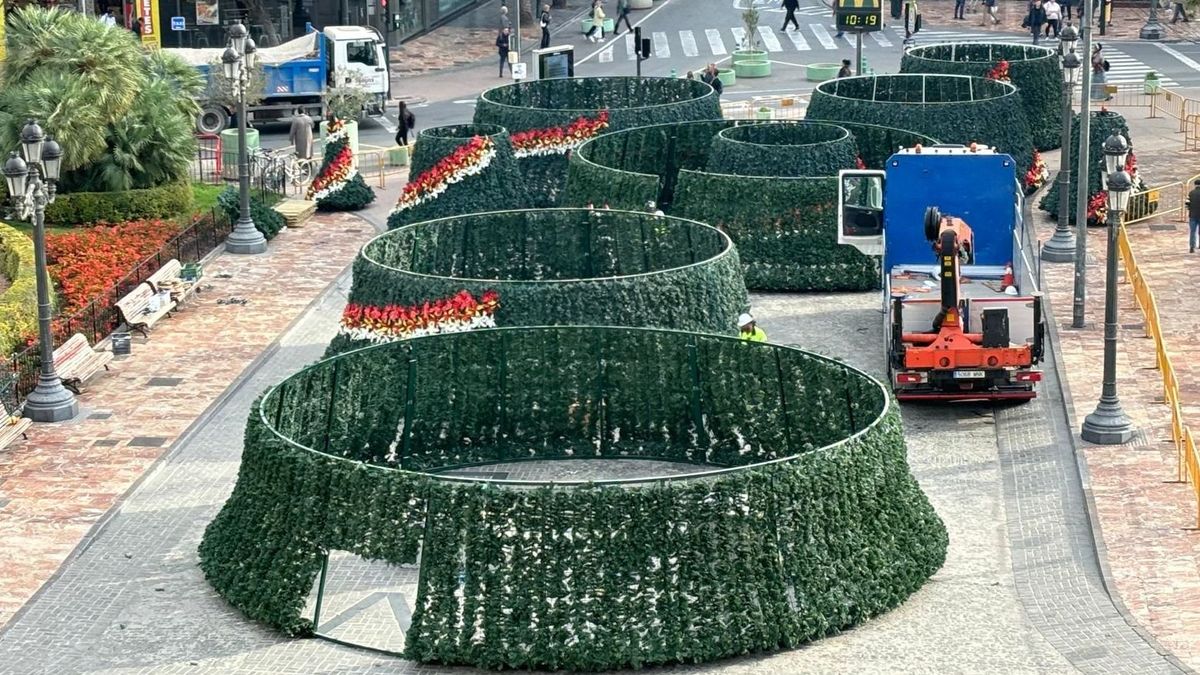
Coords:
969,374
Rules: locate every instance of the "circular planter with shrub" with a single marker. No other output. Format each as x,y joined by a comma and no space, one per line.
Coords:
545,267
549,118
1033,69
952,108
786,149
1102,125
794,514
819,72
457,169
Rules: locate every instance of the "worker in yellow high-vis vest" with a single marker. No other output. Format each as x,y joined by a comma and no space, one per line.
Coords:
748,329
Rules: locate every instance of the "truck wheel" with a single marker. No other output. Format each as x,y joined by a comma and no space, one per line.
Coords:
933,222
212,120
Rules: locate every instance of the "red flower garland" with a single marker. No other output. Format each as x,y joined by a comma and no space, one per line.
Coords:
557,140
859,163
1037,174
336,171
999,73
468,158
405,320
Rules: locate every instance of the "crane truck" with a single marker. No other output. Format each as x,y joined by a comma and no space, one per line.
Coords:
963,316
300,74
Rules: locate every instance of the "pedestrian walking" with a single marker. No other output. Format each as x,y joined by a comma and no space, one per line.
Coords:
505,22
912,19
1099,75
1180,12
623,14
1193,207
502,49
136,27
960,10
544,22
1053,16
1066,8
748,329
300,134
108,19
711,77
1034,19
990,14
406,121
597,15
845,69
791,6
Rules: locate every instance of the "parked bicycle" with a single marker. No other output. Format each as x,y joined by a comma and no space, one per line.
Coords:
283,171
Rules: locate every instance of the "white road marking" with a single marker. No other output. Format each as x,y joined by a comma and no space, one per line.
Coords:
688,40
822,36
715,43
637,23
739,37
606,56
630,48
1190,63
662,48
769,40
797,39
879,38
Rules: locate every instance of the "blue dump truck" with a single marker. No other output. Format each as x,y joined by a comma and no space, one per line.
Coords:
299,74
963,314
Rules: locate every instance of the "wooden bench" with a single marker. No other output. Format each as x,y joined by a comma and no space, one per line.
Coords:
169,277
135,308
12,426
76,361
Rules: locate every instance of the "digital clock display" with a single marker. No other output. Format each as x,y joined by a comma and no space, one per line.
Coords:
859,15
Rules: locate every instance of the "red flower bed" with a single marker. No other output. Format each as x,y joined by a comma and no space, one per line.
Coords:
86,263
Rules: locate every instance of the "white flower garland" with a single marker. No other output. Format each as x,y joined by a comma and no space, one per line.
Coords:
543,150
455,177
455,326
334,187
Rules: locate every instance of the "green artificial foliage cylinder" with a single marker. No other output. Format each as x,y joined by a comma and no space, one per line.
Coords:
785,149
1033,69
496,186
551,267
581,108
810,525
951,108
784,228
338,185
1103,124
266,219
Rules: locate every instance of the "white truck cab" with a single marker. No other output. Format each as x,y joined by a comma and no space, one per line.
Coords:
362,51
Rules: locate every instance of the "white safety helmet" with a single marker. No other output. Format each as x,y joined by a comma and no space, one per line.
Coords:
745,320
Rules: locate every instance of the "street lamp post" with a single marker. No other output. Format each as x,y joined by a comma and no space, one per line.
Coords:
1083,173
1061,247
1108,424
31,185
237,61
1153,30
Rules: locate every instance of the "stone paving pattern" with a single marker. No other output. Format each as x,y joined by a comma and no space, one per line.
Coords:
1144,518
129,418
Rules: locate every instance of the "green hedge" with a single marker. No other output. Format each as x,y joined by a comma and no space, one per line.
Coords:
784,228
266,219
498,187
952,108
629,102
1033,69
1103,124
87,208
760,557
788,149
18,303
560,267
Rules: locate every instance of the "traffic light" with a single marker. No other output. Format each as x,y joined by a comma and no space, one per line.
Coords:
645,48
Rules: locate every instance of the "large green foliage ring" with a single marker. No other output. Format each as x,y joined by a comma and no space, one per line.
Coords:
627,101
951,108
803,520
560,267
782,149
1033,69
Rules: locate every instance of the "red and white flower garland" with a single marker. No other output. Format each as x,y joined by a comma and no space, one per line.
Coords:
558,140
390,323
340,171
1038,174
467,160
999,73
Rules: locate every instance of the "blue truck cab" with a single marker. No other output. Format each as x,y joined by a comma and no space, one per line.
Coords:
885,213
300,74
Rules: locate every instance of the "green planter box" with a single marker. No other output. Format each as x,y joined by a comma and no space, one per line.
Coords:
727,76
229,150
752,68
740,55
399,155
1151,85
819,72
640,4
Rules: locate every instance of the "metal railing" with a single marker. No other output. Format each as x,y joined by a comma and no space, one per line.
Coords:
1174,105
765,108
1188,463
99,318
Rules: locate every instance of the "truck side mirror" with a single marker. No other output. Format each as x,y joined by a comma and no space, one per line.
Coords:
860,210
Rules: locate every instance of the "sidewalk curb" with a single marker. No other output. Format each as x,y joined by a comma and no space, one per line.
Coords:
1093,519
185,437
